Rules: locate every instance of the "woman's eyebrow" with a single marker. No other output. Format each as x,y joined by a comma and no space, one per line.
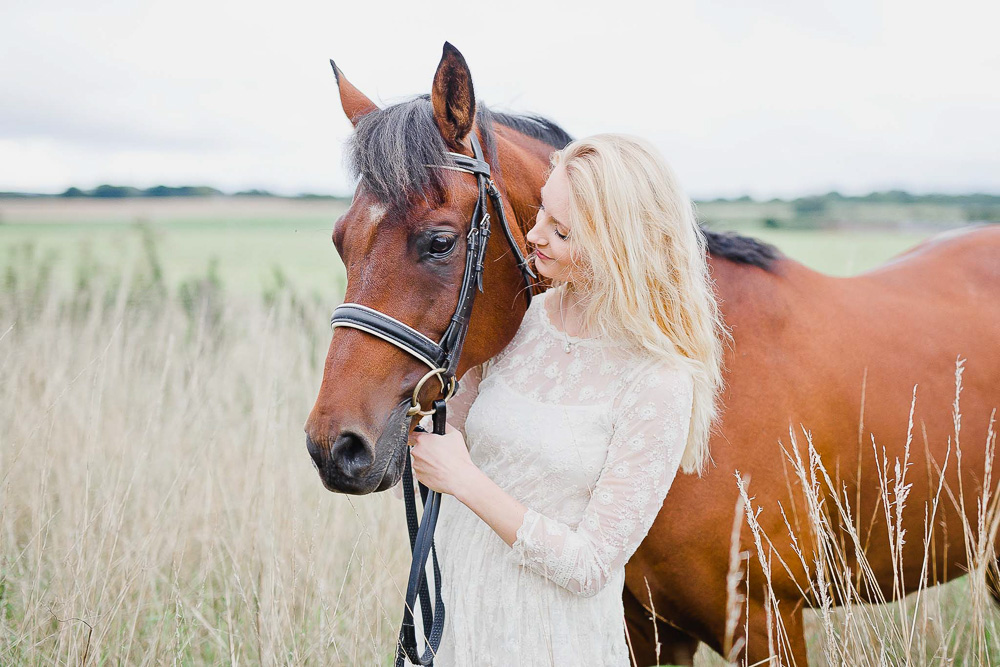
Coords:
541,206
554,220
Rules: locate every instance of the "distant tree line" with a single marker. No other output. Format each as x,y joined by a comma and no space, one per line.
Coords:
810,205
816,209
815,203
122,191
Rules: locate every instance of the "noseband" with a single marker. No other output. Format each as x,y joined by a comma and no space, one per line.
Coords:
442,358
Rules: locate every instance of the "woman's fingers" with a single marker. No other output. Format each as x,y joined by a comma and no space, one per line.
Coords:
418,438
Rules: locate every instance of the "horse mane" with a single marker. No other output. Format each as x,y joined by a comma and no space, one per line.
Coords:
741,249
390,148
536,127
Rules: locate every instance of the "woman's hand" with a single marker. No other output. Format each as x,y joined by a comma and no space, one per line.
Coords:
442,462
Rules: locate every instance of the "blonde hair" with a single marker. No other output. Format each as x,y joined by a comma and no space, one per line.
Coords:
642,274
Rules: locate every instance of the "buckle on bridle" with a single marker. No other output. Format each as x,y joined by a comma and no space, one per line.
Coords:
448,390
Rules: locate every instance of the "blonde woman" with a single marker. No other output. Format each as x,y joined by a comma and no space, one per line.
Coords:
561,449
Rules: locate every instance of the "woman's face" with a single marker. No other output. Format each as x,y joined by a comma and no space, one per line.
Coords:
550,235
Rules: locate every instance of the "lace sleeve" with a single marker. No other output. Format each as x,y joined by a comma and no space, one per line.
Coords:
651,428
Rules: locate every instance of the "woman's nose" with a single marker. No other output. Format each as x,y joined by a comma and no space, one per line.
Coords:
533,237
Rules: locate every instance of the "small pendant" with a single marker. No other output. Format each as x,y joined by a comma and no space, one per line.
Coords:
566,348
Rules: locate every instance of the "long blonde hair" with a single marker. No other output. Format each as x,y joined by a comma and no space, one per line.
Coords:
642,275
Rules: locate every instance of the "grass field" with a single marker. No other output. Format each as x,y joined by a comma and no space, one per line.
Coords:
157,504
844,214
248,240
255,243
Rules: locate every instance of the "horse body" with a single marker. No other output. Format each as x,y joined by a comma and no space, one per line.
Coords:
809,350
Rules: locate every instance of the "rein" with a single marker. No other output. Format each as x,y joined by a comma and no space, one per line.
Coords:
442,358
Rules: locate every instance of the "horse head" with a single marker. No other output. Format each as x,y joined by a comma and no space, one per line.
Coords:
403,243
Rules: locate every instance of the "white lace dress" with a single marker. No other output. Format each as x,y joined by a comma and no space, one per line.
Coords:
589,440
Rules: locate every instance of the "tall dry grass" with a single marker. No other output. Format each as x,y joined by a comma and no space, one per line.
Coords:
952,624
157,503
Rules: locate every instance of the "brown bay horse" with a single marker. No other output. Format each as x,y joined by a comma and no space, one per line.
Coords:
836,356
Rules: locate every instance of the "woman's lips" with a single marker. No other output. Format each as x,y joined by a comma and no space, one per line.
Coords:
541,255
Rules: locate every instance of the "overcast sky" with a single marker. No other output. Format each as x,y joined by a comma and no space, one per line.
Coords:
769,98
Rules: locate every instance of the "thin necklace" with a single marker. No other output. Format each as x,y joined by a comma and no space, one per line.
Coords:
562,320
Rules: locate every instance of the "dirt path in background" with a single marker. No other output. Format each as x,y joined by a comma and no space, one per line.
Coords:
151,209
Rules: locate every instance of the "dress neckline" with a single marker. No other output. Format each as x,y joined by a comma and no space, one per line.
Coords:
547,322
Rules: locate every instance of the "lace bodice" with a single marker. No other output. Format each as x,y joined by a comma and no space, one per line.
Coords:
589,440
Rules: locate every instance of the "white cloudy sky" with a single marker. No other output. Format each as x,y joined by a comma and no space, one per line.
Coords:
773,97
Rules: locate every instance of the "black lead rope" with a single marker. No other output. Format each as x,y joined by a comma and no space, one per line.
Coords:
422,546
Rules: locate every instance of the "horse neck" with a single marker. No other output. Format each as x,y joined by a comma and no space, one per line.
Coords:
523,169
524,166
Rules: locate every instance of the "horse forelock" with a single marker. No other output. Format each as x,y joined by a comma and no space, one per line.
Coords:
391,147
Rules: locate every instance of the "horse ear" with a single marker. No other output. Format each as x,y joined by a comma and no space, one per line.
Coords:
453,98
355,103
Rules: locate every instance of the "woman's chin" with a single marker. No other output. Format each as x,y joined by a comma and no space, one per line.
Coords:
541,269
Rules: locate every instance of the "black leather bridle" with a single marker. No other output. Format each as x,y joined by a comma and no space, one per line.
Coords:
442,358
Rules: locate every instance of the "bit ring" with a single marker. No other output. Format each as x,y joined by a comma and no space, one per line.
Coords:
448,390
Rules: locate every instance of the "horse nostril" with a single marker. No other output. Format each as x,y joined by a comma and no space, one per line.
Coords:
352,453
315,453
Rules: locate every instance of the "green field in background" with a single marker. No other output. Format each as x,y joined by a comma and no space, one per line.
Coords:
249,253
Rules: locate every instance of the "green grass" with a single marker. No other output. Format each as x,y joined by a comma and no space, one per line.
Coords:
251,254
247,252
840,253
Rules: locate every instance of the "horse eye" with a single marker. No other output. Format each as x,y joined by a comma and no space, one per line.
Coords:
442,244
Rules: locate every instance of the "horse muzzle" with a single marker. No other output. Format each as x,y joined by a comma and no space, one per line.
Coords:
351,463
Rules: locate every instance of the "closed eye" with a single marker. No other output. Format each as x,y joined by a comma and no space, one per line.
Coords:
555,223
